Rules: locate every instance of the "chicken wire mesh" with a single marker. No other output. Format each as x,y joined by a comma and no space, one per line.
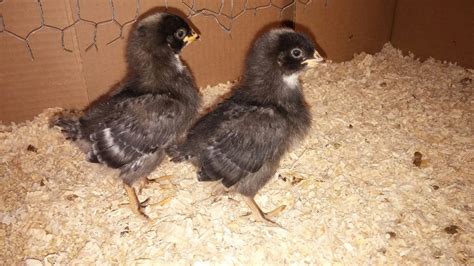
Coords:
222,16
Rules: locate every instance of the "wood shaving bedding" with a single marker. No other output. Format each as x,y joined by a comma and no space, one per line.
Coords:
353,193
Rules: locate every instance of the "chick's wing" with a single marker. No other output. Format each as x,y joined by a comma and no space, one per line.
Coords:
241,144
135,127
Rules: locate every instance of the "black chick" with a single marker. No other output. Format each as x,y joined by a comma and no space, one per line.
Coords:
156,103
243,139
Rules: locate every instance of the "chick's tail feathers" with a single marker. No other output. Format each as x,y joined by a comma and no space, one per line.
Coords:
69,123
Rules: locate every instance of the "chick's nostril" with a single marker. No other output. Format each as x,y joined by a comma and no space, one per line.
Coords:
197,37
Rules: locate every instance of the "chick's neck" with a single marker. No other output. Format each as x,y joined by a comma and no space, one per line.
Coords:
159,74
268,88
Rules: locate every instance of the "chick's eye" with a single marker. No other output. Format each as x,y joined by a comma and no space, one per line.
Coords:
296,53
180,34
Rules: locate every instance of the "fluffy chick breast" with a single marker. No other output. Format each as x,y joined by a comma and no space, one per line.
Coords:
242,141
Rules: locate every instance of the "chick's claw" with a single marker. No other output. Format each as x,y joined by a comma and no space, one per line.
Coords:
260,216
270,223
145,203
148,182
157,180
275,212
264,218
138,210
136,206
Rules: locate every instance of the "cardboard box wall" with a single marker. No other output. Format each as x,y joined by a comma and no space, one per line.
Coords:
436,28
68,52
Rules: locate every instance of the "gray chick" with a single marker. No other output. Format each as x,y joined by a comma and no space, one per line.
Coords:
242,141
130,129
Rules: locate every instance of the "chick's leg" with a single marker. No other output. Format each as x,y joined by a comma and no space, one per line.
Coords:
260,215
136,206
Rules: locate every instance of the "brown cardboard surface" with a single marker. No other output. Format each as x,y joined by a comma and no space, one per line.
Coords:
21,16
342,28
95,11
103,64
56,13
437,28
35,71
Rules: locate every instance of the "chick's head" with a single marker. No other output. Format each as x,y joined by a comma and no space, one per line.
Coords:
163,32
285,50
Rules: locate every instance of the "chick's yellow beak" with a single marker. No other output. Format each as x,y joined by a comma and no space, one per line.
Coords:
189,39
317,58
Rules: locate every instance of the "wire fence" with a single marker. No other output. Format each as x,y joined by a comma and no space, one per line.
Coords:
219,16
